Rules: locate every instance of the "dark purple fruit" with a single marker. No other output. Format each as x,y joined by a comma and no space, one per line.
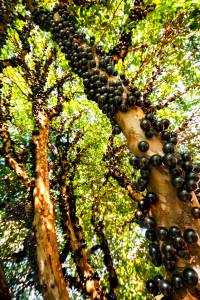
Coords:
162,233
186,156
151,287
142,184
145,173
151,197
168,250
149,222
183,253
177,281
145,124
154,249
165,288
144,162
190,236
143,146
150,234
166,135
178,242
187,165
150,117
158,278
166,123
143,205
168,148
190,277
170,265
139,215
178,182
176,171
149,133
135,162
157,260
191,185
192,175
156,160
170,160
174,231
173,140
184,196
195,212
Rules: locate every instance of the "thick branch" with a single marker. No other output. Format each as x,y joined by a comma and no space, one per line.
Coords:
4,291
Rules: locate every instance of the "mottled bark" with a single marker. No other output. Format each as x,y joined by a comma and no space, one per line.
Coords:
169,210
49,267
4,290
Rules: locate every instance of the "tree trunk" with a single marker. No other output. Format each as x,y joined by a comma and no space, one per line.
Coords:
4,291
169,210
49,268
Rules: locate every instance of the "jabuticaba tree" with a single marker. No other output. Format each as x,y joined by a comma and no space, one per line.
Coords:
168,181
171,180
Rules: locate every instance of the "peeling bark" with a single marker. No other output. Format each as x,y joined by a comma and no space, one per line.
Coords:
169,210
4,291
49,267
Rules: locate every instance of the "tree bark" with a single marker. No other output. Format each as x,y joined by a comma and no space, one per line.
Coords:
49,268
4,290
169,210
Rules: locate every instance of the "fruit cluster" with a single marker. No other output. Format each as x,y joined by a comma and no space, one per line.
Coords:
103,86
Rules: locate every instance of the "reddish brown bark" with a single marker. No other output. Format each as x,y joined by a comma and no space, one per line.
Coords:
170,210
4,291
49,267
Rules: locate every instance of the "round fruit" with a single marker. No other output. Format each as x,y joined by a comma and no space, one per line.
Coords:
190,277
190,236
151,197
143,205
149,133
168,250
162,233
186,156
145,173
170,265
145,124
177,281
154,249
174,231
144,162
151,235
143,146
184,196
195,212
165,288
149,222
139,215
169,148
166,123
191,185
178,242
134,161
151,287
156,160
176,171
178,182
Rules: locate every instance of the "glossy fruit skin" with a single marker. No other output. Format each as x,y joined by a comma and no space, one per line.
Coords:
156,160
190,277
139,215
195,211
178,182
143,205
190,185
150,234
144,162
168,250
151,287
170,265
184,195
149,222
143,146
176,171
165,288
177,281
174,231
151,197
134,161
154,249
168,148
162,233
192,175
145,124
190,236
186,156
178,242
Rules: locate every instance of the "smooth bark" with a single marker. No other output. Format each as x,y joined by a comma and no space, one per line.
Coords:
4,290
